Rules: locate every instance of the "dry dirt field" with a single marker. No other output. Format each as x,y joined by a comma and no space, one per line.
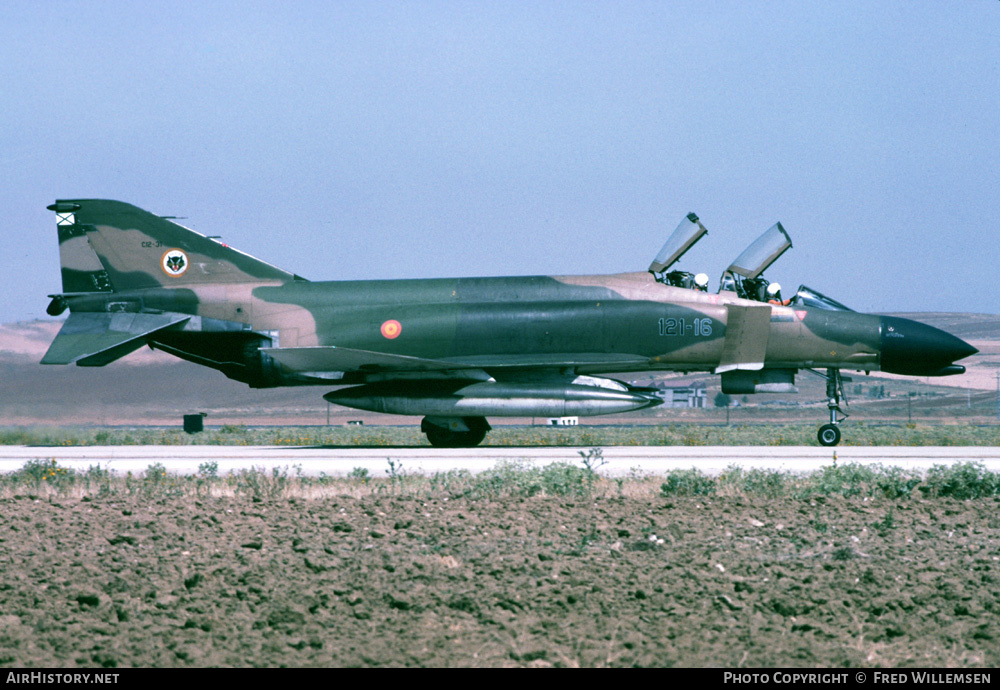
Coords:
385,579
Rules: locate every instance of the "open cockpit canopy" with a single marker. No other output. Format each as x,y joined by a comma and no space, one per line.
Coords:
681,239
744,275
763,252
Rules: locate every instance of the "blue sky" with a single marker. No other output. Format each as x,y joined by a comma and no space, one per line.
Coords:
354,140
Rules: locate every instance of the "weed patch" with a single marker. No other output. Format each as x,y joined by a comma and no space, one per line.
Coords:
963,481
688,483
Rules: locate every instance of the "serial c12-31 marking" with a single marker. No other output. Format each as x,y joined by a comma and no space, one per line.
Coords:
683,327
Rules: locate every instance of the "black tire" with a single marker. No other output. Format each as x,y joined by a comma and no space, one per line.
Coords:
442,438
828,435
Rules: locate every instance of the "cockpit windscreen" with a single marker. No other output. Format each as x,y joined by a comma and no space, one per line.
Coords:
809,298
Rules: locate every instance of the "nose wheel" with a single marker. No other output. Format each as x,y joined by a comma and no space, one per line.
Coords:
829,434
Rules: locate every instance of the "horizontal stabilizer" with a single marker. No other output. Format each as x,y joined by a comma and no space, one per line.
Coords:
329,359
93,340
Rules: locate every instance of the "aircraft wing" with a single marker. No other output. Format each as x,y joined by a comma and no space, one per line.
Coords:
94,339
329,359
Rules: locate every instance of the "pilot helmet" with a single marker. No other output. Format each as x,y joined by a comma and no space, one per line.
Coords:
701,280
773,289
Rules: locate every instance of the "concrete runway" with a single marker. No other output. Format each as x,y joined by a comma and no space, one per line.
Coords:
619,460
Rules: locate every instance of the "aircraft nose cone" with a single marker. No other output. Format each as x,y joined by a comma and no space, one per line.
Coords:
914,348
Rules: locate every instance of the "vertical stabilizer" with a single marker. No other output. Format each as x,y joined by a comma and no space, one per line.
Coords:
113,246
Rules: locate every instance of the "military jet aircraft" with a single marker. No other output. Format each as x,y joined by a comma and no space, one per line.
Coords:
457,351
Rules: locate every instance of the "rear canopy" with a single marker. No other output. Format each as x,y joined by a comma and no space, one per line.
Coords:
763,252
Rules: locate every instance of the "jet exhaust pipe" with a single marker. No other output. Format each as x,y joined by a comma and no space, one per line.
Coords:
492,399
916,349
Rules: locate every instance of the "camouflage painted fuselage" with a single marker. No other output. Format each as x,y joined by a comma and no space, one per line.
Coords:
131,278
594,324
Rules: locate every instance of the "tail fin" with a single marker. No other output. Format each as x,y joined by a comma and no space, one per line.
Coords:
109,246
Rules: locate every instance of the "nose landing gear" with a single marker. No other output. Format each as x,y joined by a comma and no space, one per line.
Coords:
829,434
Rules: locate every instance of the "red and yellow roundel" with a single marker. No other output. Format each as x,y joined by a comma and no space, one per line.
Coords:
391,329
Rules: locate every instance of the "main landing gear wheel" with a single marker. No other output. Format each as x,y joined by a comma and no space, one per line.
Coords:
442,438
461,432
829,435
